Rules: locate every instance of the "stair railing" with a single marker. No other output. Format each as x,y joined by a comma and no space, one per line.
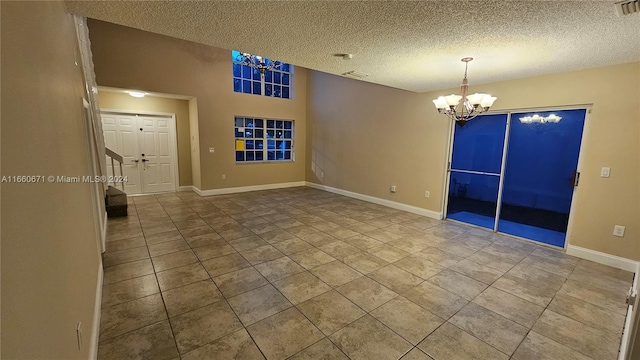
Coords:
114,156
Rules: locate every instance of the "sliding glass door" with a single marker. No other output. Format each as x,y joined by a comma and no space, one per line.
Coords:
475,170
529,193
540,174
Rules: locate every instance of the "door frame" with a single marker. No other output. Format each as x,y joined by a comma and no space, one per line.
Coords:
445,201
174,137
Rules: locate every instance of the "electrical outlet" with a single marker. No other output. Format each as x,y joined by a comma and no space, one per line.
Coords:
427,194
224,177
618,230
212,150
393,188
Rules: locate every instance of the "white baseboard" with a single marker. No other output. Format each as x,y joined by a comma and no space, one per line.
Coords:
103,234
603,258
95,336
388,203
186,188
241,189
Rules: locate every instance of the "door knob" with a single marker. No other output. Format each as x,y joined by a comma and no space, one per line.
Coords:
145,160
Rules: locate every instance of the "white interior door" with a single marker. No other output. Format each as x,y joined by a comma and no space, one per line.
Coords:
155,154
147,144
121,136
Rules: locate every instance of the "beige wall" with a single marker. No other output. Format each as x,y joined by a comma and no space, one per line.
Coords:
50,256
367,137
133,59
123,101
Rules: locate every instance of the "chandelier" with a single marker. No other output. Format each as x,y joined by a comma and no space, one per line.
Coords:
256,62
473,105
553,118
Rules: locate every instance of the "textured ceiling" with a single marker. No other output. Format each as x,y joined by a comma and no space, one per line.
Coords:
413,45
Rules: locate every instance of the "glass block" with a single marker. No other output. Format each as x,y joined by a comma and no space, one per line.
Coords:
257,88
249,144
285,79
246,72
271,155
258,133
237,70
259,156
277,77
250,156
239,155
237,85
268,76
239,122
287,134
287,155
277,91
279,124
239,134
246,86
285,92
256,74
271,144
271,134
267,89
271,124
259,144
288,124
287,144
259,123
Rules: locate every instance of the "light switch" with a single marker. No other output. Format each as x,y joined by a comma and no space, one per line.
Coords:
605,172
618,230
212,150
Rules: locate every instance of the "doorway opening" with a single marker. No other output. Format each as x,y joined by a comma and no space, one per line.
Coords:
517,172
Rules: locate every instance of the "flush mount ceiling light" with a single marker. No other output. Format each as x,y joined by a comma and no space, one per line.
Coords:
540,119
256,62
138,94
474,104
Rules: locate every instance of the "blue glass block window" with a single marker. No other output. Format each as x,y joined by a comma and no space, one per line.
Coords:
274,83
263,139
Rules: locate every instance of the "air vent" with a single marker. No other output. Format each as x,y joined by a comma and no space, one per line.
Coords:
627,7
355,74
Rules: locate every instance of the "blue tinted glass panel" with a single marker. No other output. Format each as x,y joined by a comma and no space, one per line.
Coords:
248,122
271,134
237,70
256,74
257,88
248,133
285,67
239,122
248,144
271,144
268,76
268,90
235,54
285,79
258,133
478,145
239,134
288,124
259,123
271,155
259,144
280,124
285,92
287,155
280,144
246,86
237,85
277,91
287,134
287,144
239,155
271,123
259,156
280,155
473,198
246,72
250,156
276,77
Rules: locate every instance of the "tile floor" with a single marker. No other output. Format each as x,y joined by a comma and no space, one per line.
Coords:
306,274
